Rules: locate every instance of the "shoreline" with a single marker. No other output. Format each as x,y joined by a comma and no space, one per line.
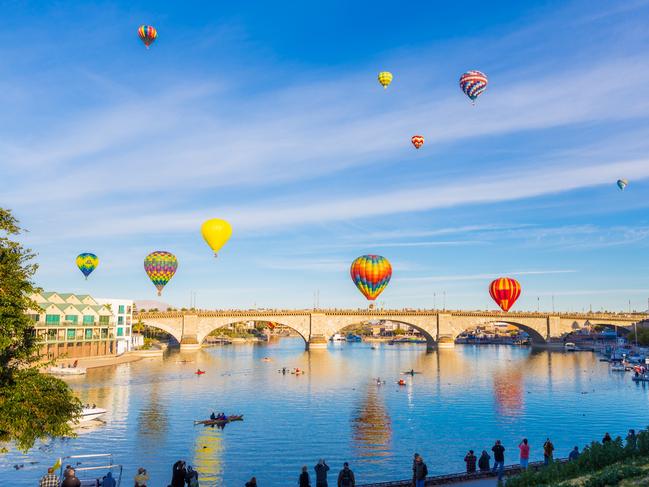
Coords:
103,361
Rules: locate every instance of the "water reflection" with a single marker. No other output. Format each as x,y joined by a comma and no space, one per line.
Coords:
208,449
508,391
372,431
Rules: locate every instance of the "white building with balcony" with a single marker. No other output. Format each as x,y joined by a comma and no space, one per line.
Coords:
122,310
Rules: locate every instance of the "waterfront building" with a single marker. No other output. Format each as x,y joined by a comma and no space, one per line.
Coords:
73,325
122,310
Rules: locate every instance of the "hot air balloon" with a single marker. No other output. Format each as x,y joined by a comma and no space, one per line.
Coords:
417,141
148,34
385,78
505,291
622,184
371,274
87,262
473,84
160,266
216,233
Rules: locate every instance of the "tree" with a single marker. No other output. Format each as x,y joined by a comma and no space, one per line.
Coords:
32,405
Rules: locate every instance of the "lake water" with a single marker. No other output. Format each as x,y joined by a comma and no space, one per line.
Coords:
464,398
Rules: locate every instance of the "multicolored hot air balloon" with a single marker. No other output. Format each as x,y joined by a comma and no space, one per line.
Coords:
505,291
417,141
87,262
385,78
148,34
216,233
371,274
160,266
622,184
473,84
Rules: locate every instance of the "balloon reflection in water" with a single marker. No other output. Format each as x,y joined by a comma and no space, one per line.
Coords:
508,392
207,455
371,427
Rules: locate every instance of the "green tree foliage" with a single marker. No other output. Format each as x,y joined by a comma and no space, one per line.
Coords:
32,405
643,337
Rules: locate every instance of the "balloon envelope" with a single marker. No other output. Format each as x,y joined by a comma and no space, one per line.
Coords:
160,266
417,141
87,262
371,274
216,233
385,78
147,34
622,183
505,291
473,84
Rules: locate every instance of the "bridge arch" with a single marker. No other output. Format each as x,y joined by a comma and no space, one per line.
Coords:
206,330
535,336
431,341
172,330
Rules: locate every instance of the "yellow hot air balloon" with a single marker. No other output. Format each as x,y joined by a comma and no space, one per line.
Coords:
385,78
216,232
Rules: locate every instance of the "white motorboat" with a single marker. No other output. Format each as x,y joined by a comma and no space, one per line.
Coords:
338,338
89,414
570,347
56,370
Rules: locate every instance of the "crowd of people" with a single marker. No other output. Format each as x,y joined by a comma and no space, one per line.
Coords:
184,475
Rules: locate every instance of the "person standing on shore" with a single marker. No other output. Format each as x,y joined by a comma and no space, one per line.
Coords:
421,471
49,479
574,454
71,479
483,462
548,452
499,459
178,473
524,453
414,469
321,470
607,439
304,480
252,482
346,477
631,440
470,460
141,478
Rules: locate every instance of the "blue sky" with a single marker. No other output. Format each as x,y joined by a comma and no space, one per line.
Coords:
269,115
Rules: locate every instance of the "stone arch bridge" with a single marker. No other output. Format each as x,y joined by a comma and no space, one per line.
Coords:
190,328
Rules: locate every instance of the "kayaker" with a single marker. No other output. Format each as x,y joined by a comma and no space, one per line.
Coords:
321,470
304,481
483,462
49,479
213,416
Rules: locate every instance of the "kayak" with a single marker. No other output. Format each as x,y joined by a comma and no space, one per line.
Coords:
220,422
199,372
410,373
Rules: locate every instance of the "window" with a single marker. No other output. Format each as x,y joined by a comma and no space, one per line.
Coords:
120,332
120,320
104,320
120,309
35,318
71,333
72,318
88,334
88,319
104,332
51,335
52,319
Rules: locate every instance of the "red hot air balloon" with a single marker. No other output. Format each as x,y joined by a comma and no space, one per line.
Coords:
505,291
417,141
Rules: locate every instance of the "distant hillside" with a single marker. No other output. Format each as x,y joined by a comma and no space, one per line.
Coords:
149,304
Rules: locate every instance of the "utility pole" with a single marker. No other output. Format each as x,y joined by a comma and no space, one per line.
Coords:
553,303
444,300
435,300
538,304
629,306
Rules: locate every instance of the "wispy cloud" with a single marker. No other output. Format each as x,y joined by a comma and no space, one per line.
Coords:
481,277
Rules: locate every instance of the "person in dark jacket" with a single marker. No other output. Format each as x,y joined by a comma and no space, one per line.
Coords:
304,481
346,477
191,477
548,452
108,480
499,459
414,469
607,439
483,462
321,470
71,479
252,482
574,454
421,471
178,474
470,459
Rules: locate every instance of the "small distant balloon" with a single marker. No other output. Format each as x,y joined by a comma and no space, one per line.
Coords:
385,78
622,184
148,34
505,291
87,262
417,141
160,266
371,274
216,233
473,84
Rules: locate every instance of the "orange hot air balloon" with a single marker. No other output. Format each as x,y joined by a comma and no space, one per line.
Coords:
417,141
505,291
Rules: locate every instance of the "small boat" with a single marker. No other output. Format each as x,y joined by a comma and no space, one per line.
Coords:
338,338
401,382
56,370
90,414
266,359
199,372
618,368
220,422
408,340
570,347
374,347
354,338
410,372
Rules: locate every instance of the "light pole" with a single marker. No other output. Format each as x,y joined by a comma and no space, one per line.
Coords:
538,304
444,306
435,300
553,303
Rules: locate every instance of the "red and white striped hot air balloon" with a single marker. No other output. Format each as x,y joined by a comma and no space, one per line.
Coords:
505,291
417,141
